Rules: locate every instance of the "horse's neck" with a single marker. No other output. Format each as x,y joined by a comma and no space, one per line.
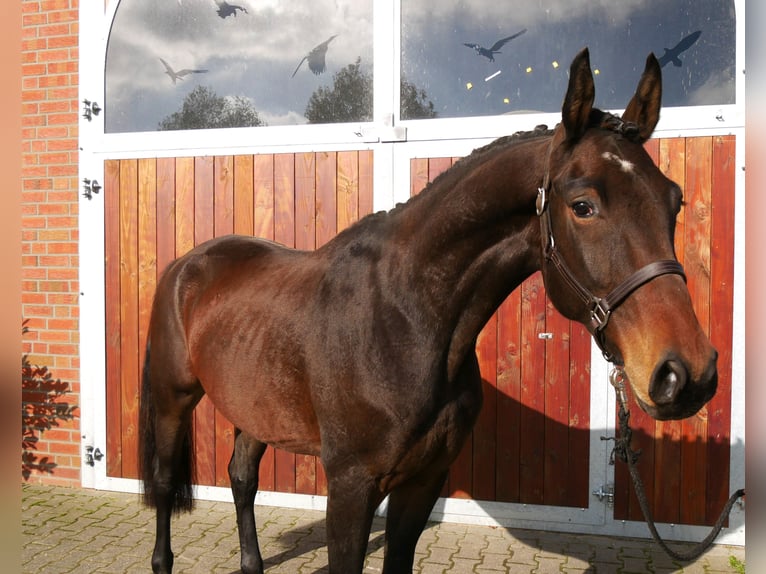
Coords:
475,241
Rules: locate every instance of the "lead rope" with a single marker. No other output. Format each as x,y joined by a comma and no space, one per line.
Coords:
622,449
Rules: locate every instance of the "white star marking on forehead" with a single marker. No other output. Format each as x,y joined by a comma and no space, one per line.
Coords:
624,164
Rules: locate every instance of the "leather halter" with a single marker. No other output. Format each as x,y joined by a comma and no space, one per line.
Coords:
599,308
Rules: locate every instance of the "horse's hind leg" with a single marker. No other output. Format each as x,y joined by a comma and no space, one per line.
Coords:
243,473
409,507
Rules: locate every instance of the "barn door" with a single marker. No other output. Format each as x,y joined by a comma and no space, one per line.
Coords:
685,465
159,208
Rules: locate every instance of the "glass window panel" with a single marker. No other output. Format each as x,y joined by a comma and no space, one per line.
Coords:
188,64
446,52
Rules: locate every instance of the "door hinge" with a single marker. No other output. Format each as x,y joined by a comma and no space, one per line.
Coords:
605,493
90,186
92,455
90,109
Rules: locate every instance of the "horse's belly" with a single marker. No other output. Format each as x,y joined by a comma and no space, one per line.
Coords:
276,413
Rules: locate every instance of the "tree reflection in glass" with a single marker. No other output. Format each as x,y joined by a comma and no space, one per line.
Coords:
229,63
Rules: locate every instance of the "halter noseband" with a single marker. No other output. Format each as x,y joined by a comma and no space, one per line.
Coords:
600,308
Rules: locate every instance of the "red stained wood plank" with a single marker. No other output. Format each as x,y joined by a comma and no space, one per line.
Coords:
326,197
263,191
697,265
129,345
672,162
147,247
243,194
348,189
366,167
223,224
282,169
184,239
532,416
579,416
556,400
418,175
223,192
508,391
166,212
305,201
204,224
721,324
668,434
484,432
112,317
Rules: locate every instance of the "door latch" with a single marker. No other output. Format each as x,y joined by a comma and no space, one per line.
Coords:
92,455
605,492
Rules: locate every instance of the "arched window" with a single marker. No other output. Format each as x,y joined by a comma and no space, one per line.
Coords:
190,64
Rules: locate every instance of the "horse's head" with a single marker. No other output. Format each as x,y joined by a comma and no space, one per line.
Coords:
608,217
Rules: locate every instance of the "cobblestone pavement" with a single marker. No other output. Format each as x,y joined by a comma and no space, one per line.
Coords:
87,531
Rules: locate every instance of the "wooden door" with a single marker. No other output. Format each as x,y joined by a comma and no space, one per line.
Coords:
685,464
159,208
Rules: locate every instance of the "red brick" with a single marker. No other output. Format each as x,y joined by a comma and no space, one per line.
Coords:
62,274
59,349
50,5
34,19
30,7
54,106
62,144
63,16
33,70
34,45
49,81
65,42
54,30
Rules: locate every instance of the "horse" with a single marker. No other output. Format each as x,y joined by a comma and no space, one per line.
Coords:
363,351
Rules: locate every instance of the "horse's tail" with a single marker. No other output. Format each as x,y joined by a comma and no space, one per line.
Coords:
180,476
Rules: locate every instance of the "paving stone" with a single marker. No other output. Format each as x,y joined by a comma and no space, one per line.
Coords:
84,531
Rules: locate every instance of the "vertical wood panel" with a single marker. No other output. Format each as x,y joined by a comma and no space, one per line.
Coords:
697,265
721,323
184,239
263,190
147,249
556,399
129,314
579,416
112,319
166,212
668,434
243,194
418,175
485,430
366,167
204,229
326,197
531,456
223,182
508,397
348,189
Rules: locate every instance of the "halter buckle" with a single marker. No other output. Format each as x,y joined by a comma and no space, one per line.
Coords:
542,200
599,315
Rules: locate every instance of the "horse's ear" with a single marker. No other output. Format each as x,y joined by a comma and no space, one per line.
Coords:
578,102
644,108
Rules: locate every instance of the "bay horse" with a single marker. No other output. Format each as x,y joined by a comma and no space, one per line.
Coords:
363,351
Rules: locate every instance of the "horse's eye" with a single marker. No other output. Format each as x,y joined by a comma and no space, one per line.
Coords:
582,209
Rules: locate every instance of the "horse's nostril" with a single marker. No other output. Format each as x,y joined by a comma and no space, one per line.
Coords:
667,382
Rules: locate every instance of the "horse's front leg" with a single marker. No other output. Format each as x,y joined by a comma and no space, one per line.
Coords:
351,503
409,507
243,472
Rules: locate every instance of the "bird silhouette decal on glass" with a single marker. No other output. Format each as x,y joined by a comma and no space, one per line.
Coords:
316,58
225,9
671,55
179,75
495,49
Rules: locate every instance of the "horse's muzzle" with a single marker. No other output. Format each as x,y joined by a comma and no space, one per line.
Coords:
674,392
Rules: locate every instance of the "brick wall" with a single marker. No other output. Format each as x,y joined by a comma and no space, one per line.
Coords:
50,188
